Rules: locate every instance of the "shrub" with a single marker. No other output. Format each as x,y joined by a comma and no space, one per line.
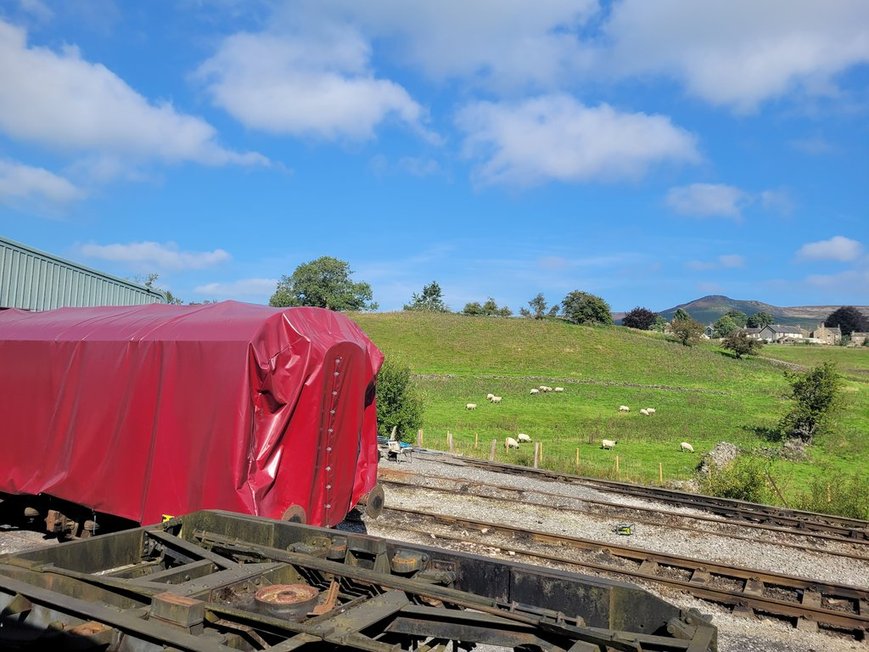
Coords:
742,480
816,395
398,402
837,493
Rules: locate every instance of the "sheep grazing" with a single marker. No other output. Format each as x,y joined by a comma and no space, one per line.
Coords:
496,399
510,443
624,408
543,388
650,410
523,438
644,412
608,444
558,389
547,388
470,406
686,447
535,391
489,397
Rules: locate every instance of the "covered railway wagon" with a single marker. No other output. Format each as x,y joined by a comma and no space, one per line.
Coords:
143,411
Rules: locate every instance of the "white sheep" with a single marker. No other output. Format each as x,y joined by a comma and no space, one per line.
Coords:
644,412
496,399
686,447
650,410
535,391
547,388
543,388
470,406
558,389
624,408
489,397
608,444
523,438
510,443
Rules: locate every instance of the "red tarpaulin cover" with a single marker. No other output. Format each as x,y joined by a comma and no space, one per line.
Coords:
140,411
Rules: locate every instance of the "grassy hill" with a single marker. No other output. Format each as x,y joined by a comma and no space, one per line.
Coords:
701,394
710,308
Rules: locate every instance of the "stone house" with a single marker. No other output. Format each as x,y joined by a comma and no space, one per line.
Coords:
858,338
827,334
782,333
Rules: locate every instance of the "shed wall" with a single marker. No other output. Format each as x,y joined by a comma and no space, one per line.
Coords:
33,280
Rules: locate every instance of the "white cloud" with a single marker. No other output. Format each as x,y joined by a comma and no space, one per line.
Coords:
739,53
247,287
555,137
853,282
319,84
707,200
837,248
726,261
152,256
499,43
62,102
22,182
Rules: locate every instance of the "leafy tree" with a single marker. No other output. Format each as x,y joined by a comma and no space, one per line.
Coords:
848,319
681,313
725,326
687,331
741,344
398,402
431,299
323,283
151,283
660,324
538,306
739,318
524,312
759,320
641,318
474,308
816,394
584,308
553,311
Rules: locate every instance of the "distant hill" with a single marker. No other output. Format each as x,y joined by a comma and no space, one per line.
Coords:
709,308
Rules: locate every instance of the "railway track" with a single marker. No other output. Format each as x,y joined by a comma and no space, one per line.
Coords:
647,515
825,525
806,603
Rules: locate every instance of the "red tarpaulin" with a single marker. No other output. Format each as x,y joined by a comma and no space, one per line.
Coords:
140,411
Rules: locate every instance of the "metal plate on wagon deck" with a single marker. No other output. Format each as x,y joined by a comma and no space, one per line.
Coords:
192,584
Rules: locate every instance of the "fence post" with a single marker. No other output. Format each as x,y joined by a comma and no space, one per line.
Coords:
476,441
577,459
450,441
419,438
618,474
537,451
660,473
492,450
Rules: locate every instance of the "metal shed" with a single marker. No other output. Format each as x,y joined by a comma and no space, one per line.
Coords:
34,280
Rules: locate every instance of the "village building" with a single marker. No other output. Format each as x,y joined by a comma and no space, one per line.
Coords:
782,333
826,335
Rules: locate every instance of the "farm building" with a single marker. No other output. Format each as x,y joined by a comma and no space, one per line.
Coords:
34,280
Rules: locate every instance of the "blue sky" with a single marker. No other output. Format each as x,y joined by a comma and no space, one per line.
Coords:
647,152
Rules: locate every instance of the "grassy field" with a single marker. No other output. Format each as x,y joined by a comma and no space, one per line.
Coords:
702,395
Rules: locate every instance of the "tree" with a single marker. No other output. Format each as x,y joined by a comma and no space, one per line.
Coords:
681,313
848,319
725,326
323,283
660,324
553,311
739,318
524,312
741,344
759,320
489,309
474,308
151,283
687,331
399,405
641,318
584,308
538,306
816,395
430,300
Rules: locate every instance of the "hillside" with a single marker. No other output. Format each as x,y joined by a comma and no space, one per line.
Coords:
709,308
701,395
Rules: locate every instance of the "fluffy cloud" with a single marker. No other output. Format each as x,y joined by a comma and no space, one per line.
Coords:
726,261
19,182
247,287
319,84
707,200
152,256
837,248
739,53
555,137
61,101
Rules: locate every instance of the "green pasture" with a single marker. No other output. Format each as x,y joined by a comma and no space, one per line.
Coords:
701,394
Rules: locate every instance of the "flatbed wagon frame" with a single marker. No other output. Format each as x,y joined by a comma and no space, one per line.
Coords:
213,580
